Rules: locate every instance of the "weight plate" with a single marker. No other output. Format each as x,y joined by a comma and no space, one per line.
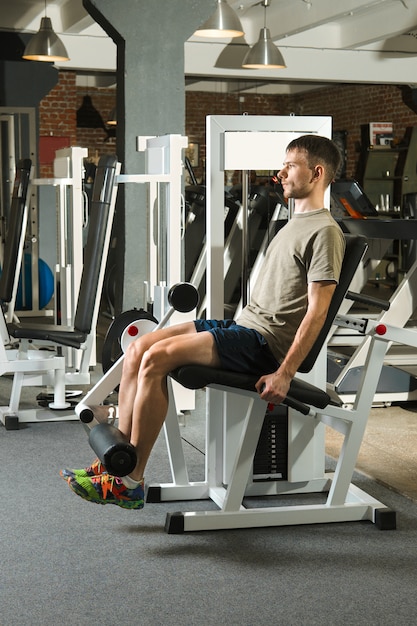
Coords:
136,329
112,349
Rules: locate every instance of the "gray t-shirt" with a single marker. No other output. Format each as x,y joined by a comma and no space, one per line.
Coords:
309,248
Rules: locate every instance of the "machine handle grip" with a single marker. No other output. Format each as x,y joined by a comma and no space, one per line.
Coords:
364,299
296,405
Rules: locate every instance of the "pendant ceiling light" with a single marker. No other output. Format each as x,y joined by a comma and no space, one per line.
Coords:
88,116
112,121
45,45
223,23
264,54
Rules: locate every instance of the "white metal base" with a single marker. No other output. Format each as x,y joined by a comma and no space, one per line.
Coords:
35,415
243,501
358,507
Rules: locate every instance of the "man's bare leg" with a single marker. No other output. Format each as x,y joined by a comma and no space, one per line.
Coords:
131,365
148,361
151,400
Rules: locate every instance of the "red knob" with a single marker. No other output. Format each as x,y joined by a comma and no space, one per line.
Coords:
132,331
381,329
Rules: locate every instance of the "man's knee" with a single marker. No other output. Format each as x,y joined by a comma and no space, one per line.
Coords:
154,361
134,354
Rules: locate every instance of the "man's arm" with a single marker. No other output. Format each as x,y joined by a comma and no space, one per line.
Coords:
274,387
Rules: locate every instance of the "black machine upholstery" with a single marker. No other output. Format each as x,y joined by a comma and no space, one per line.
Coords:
14,229
93,254
198,376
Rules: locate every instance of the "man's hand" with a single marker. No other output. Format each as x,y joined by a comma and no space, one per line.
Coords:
274,387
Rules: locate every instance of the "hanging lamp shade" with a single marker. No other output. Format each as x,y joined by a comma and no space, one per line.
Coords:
112,121
88,116
45,45
223,23
264,54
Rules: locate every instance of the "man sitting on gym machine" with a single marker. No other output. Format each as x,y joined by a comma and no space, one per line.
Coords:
271,338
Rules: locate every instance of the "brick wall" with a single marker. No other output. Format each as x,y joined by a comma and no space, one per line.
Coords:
349,105
58,121
199,104
57,126
354,105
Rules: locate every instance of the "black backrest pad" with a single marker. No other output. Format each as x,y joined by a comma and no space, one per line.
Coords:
356,246
14,229
94,247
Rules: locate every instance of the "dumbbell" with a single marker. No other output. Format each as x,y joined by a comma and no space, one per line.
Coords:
110,445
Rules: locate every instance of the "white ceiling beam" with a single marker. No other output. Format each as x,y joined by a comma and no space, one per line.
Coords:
392,20
290,17
309,65
74,17
303,65
16,15
89,53
357,30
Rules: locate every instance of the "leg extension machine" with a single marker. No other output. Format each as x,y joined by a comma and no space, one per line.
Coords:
234,491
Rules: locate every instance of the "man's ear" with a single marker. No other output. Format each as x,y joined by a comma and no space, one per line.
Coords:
318,173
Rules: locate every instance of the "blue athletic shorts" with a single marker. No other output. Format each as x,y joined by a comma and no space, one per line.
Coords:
240,349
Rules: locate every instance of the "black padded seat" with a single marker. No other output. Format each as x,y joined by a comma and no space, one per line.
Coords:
199,376
196,377
61,335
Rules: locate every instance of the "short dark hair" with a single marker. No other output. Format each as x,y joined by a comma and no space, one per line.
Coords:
320,150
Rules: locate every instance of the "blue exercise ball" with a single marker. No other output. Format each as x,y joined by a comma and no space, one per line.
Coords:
46,284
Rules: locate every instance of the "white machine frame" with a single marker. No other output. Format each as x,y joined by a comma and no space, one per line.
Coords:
163,174
402,307
227,485
71,210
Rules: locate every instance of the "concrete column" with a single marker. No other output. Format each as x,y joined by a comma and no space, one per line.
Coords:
150,37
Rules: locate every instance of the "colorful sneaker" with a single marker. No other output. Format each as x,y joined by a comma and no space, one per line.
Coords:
107,489
95,469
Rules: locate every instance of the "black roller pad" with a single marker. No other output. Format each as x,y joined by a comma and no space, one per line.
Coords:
113,449
183,297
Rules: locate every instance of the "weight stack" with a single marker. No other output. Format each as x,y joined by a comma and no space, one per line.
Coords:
271,457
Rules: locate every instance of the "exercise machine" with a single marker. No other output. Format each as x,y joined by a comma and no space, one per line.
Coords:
347,351
233,430
71,211
22,350
241,500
